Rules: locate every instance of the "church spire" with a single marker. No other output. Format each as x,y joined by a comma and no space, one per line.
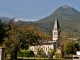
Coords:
56,25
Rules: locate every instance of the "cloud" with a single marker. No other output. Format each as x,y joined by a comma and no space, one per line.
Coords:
24,19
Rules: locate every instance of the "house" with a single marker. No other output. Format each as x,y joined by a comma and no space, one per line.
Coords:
46,45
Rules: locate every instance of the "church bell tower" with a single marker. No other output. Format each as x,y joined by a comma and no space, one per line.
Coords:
56,33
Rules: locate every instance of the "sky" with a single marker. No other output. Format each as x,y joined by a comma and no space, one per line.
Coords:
33,10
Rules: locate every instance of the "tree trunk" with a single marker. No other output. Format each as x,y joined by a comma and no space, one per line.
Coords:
12,56
15,53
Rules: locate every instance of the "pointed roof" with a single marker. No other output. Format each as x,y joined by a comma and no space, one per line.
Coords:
56,25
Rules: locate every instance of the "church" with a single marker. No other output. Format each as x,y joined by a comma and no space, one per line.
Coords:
50,44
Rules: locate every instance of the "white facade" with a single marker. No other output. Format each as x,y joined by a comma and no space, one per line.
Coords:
46,46
55,35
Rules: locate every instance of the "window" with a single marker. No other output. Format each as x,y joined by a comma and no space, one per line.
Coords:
55,33
46,48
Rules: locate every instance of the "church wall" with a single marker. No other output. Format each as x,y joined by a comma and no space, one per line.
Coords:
45,48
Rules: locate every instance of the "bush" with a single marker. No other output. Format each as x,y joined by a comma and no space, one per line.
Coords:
43,54
58,54
25,53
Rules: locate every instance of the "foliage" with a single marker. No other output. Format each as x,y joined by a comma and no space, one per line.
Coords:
33,34
78,40
11,41
69,48
2,32
64,36
39,50
25,53
52,51
43,54
58,54
77,46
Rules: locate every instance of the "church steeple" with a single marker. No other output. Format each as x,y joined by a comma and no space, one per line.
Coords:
56,30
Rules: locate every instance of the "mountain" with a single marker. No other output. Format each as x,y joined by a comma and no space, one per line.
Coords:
68,17
4,18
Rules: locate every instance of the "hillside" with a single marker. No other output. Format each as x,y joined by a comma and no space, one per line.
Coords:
68,17
4,18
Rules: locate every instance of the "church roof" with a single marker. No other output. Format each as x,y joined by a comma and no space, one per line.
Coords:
56,25
46,41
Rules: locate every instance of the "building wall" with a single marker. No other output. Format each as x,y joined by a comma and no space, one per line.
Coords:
45,47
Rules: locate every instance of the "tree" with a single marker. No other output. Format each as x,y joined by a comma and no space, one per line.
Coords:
2,32
51,53
58,53
64,36
68,48
39,50
20,37
63,39
12,39
77,46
